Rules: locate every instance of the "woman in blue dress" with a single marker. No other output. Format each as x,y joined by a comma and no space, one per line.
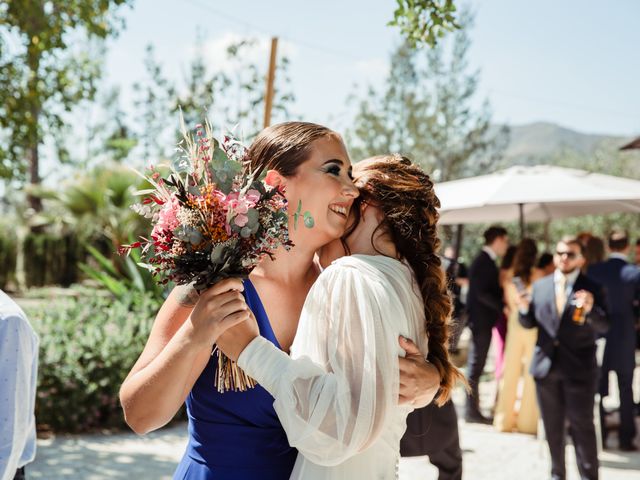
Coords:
237,435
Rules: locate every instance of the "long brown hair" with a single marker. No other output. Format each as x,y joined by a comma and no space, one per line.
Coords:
284,147
525,259
406,197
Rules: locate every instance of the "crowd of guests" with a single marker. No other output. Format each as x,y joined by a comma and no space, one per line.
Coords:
543,312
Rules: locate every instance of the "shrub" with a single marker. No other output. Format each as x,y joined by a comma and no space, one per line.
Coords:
87,347
7,255
52,259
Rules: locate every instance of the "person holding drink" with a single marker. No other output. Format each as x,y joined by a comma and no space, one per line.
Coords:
568,308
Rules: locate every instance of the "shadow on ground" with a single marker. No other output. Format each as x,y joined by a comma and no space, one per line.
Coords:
617,459
620,460
105,457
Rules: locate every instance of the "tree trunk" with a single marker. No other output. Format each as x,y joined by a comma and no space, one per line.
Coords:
33,155
21,275
34,178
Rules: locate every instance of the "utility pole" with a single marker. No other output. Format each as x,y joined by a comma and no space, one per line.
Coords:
268,99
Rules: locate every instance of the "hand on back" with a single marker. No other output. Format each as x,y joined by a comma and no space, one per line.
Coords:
419,380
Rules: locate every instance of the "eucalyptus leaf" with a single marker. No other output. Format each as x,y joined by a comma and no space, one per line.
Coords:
217,252
309,222
254,217
195,237
219,157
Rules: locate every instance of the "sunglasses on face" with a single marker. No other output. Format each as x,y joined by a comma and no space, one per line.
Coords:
569,255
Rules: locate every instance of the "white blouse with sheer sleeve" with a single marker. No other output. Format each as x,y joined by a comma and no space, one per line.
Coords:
336,395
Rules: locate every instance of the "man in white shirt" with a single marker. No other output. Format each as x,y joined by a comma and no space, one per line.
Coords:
18,379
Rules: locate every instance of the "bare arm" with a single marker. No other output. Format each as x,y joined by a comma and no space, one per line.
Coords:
177,351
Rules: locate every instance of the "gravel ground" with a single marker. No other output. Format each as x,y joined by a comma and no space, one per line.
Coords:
488,455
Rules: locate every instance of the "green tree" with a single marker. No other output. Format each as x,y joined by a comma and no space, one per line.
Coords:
235,95
231,96
46,74
426,111
424,22
154,102
242,98
101,133
116,137
95,206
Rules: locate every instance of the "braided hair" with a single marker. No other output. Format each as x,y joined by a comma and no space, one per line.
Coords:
405,195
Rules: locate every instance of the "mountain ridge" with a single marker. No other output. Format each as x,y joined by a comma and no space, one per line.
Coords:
534,142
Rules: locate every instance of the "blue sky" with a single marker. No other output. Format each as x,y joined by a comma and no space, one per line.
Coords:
571,62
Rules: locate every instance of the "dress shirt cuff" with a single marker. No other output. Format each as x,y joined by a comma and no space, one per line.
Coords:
264,362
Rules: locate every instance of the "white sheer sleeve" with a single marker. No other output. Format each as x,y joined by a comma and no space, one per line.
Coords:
333,394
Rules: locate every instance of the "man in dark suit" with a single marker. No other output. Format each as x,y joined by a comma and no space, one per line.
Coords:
622,282
433,431
485,304
569,310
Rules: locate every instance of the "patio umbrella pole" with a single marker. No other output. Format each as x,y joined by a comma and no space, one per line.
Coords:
458,243
521,208
546,234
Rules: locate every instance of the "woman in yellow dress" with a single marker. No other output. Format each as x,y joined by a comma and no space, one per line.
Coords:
519,347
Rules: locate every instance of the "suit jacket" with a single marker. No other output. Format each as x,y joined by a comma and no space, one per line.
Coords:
621,281
484,299
562,343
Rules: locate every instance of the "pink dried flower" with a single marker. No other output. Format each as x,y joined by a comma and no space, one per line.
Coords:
253,196
241,220
168,216
239,206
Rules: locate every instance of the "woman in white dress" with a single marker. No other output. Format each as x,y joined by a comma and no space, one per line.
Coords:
336,395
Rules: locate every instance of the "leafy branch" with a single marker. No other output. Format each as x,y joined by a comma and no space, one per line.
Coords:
424,21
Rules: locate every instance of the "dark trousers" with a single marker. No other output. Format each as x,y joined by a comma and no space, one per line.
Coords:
480,342
627,429
19,474
561,398
433,431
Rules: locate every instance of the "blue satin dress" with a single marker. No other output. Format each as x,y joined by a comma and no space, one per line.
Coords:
235,435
